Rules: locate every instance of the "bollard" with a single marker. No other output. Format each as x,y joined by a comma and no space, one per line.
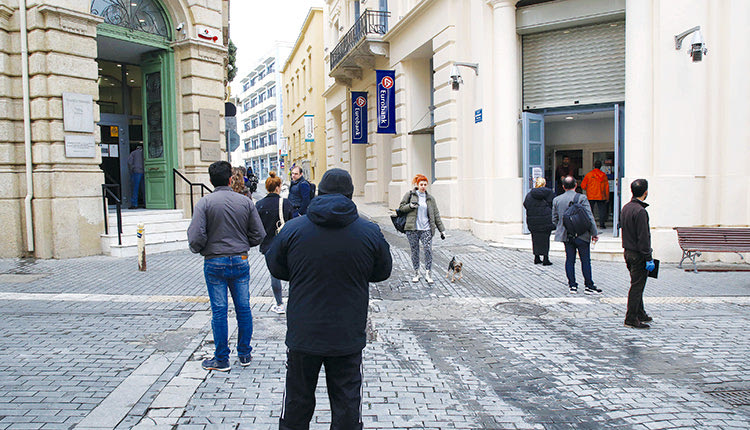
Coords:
141,247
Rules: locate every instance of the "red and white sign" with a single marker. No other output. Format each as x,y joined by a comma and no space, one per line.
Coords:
361,101
207,33
386,82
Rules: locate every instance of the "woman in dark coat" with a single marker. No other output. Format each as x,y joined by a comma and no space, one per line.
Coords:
538,204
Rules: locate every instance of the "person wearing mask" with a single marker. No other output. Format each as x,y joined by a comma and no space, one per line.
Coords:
538,204
273,210
299,192
329,258
422,219
596,185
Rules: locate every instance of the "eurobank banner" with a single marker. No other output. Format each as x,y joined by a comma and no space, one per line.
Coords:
359,116
386,101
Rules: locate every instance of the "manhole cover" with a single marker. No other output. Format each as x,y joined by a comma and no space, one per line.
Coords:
521,309
733,397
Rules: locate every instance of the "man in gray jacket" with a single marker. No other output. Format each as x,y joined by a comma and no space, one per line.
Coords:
579,243
225,226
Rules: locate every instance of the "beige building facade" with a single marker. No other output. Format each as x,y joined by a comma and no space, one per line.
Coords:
82,84
304,106
491,93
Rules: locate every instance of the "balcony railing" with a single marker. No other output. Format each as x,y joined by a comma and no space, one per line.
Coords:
370,22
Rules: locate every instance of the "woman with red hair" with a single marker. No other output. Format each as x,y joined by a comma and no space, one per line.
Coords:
422,219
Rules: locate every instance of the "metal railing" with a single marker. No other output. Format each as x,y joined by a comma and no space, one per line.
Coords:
192,185
107,193
370,22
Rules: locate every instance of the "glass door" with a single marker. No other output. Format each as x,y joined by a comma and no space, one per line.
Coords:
114,148
533,153
619,167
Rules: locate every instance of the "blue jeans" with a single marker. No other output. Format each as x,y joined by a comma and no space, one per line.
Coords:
135,186
231,273
570,262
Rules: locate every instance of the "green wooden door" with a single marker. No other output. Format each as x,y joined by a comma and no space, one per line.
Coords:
158,129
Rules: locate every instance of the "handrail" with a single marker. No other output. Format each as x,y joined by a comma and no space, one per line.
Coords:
370,22
202,186
112,181
118,206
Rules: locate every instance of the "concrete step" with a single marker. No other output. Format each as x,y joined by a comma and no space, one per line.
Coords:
155,248
150,227
152,237
608,248
136,216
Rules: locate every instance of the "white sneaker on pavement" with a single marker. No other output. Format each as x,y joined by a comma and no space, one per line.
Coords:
428,278
279,309
416,276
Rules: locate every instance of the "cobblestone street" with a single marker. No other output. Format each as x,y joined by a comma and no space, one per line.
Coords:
93,343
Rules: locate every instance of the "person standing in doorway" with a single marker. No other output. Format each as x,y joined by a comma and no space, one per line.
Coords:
299,192
329,258
563,170
274,211
596,185
636,240
538,204
422,219
575,243
135,167
224,227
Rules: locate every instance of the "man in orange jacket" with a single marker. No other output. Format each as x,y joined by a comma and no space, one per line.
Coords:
596,185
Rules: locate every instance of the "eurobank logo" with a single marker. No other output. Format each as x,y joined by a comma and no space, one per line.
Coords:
359,117
386,109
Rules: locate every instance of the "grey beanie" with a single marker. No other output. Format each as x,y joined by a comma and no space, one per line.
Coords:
336,181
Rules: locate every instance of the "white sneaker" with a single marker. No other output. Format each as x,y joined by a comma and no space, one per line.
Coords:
428,278
416,276
279,309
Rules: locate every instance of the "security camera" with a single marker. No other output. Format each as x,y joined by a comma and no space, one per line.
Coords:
456,79
697,47
180,26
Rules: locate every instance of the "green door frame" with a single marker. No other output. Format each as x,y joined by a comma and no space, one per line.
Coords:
158,176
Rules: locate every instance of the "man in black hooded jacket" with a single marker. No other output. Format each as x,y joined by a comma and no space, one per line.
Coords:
329,257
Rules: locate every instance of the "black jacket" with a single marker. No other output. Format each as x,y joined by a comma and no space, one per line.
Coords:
538,204
268,209
299,195
636,232
329,258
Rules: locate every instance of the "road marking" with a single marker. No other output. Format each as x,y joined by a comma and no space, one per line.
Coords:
73,297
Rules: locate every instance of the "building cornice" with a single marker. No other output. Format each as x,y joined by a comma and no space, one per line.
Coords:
410,17
301,36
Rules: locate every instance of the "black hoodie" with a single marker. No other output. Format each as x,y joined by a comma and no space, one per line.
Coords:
329,257
538,204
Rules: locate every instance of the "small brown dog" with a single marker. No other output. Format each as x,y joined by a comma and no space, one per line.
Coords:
455,270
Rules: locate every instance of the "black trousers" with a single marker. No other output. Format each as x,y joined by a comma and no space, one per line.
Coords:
602,209
344,383
636,263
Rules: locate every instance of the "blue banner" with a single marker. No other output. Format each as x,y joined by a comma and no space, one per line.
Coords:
386,101
359,117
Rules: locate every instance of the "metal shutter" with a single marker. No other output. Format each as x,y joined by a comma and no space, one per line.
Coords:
577,65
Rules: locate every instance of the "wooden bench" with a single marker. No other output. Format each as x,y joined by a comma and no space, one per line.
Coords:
695,240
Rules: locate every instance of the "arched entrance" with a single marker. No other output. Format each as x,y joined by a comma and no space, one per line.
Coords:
136,97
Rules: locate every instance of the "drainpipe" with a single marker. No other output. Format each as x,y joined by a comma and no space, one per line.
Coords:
27,126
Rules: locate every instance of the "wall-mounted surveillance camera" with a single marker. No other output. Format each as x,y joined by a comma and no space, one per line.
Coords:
697,45
180,26
456,79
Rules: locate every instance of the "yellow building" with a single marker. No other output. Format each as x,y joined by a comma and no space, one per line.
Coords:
303,81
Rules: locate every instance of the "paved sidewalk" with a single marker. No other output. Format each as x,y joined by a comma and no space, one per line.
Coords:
93,343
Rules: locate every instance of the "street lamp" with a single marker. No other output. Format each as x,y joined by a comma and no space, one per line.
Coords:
697,44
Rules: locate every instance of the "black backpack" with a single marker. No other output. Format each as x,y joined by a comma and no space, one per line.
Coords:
312,190
575,219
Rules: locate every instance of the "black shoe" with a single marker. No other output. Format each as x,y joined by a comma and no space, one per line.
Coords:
637,324
537,260
546,261
592,290
646,319
245,361
214,364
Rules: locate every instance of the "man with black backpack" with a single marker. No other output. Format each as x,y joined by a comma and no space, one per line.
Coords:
576,228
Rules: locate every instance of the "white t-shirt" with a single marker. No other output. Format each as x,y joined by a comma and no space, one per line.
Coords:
423,221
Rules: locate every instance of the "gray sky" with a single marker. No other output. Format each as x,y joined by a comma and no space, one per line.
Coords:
256,24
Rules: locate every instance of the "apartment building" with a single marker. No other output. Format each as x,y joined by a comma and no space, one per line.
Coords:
259,112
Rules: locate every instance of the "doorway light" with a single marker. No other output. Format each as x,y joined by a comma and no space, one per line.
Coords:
568,117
